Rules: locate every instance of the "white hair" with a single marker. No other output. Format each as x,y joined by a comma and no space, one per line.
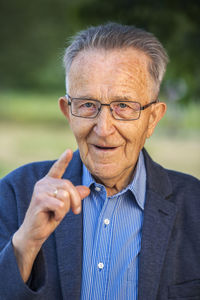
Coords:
116,36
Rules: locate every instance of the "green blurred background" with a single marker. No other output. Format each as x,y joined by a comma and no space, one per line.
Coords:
33,35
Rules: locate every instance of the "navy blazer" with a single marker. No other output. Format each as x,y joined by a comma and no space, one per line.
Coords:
169,262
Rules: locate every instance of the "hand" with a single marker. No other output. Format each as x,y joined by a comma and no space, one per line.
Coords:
46,212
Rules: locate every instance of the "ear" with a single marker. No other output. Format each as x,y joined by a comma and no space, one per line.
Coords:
64,107
158,111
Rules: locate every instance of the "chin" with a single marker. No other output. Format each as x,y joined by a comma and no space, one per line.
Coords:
104,171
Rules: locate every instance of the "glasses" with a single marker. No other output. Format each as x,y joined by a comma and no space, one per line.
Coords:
120,110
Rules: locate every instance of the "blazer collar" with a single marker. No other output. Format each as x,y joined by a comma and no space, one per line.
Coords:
157,177
159,217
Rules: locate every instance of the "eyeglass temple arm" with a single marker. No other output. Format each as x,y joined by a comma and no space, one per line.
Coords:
68,99
149,104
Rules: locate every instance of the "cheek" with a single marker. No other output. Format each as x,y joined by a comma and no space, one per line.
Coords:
136,134
80,129
142,135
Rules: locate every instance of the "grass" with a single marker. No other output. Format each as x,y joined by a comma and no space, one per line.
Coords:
24,107
32,128
23,144
177,153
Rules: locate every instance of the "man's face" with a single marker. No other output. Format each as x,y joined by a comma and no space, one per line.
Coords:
108,147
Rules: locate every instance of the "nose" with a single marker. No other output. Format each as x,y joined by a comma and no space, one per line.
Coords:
104,125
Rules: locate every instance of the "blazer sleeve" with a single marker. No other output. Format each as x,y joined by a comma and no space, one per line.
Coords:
11,283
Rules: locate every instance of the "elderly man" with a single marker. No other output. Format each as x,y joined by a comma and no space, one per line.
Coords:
136,234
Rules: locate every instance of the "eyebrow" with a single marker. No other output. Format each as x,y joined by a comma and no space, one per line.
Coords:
84,97
123,98
115,98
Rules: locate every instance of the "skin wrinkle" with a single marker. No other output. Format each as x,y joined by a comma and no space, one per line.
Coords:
134,70
107,75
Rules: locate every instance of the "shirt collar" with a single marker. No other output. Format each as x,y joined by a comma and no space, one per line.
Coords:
137,186
87,178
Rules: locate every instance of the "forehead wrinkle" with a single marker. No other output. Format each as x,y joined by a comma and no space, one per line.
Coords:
136,72
131,80
110,73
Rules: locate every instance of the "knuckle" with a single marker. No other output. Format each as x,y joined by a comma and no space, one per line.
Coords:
65,185
39,197
41,181
65,194
64,210
67,182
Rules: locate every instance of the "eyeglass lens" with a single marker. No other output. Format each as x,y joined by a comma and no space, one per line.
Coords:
120,109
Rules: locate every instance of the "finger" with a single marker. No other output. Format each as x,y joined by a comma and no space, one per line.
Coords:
83,191
76,194
71,200
62,195
75,198
68,194
59,208
54,207
59,167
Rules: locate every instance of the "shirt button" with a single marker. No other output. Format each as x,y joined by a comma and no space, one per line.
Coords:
106,221
97,188
100,265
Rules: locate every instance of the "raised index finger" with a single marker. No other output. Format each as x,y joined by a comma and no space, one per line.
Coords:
59,167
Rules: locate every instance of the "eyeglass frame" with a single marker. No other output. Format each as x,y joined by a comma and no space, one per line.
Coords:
106,104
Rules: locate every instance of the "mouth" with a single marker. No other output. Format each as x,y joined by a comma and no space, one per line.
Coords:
104,148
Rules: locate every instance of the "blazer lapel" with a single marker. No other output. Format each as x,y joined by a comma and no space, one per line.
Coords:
159,217
68,237
69,255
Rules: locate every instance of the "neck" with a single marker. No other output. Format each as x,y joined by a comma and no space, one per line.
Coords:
117,184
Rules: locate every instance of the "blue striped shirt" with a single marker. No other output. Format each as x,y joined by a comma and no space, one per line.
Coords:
112,229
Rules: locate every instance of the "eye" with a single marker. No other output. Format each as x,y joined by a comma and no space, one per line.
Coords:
126,106
85,104
122,105
88,104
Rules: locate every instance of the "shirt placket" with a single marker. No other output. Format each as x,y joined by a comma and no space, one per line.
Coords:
102,248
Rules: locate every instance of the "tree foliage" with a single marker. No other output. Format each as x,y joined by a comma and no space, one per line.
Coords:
175,22
33,35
